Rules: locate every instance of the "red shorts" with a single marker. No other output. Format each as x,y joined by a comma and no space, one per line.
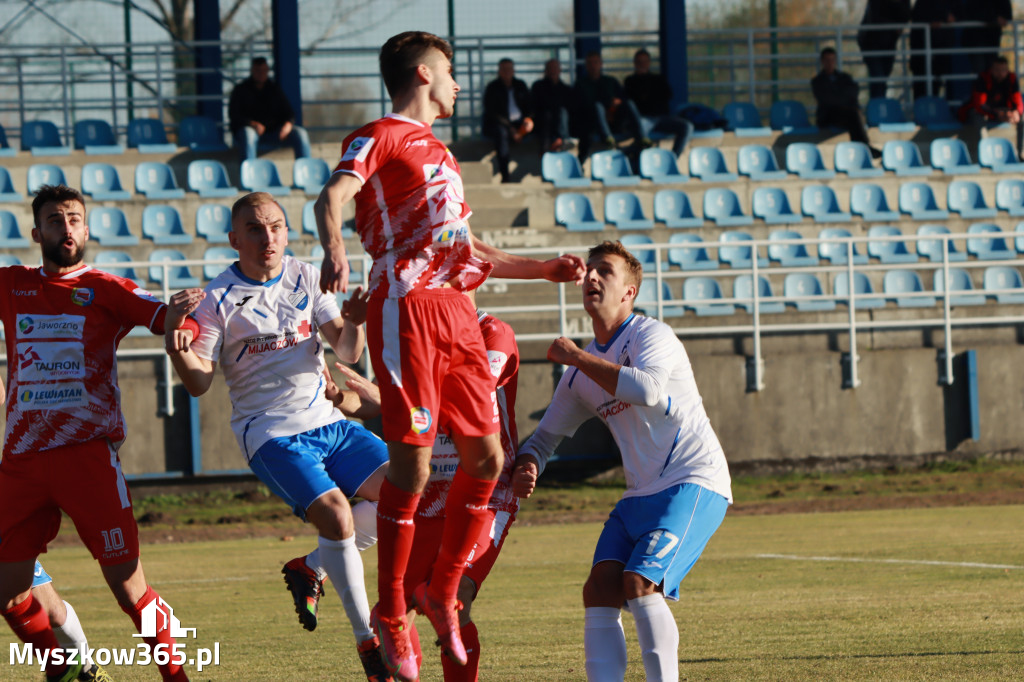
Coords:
431,364
85,481
427,543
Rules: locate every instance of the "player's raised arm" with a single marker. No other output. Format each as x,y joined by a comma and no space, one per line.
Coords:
196,373
339,190
565,268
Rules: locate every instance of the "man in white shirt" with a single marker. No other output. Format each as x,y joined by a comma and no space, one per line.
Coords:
637,378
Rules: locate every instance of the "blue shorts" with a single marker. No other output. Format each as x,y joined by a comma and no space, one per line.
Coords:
301,468
40,577
661,536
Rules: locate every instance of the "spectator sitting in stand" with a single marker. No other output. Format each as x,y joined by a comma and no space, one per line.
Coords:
552,99
261,115
506,112
836,93
601,107
996,99
651,94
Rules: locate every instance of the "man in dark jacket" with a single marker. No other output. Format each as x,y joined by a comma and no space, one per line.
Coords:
651,93
601,108
984,40
507,112
935,13
552,100
261,115
836,93
881,40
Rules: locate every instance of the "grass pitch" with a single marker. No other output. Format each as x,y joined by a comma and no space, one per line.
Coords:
918,594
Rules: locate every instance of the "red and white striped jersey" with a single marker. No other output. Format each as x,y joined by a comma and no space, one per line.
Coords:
503,356
62,333
411,212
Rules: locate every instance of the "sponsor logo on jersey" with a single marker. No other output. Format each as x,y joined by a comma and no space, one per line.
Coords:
299,299
420,419
447,234
52,396
142,293
26,292
51,326
358,149
416,143
305,329
243,302
82,296
496,359
272,342
50,360
610,409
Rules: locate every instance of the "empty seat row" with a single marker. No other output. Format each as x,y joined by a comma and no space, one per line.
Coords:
95,136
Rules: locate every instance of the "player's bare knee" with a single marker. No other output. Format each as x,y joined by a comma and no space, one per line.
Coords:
635,585
604,585
331,515
480,457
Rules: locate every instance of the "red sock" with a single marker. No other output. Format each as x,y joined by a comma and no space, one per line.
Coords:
414,639
170,672
453,672
32,626
395,531
466,517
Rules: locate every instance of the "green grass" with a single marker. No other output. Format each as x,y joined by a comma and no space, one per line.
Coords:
741,616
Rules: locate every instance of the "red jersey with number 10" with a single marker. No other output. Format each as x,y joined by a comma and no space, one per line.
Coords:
62,333
411,212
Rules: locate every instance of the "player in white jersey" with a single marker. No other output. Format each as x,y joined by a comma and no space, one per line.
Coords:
260,320
637,378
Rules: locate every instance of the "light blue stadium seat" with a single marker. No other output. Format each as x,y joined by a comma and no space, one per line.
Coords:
5,146
96,136
8,260
109,226
790,116
310,175
149,137
837,252
673,207
563,170
789,255
965,197
903,158
200,134
898,283
163,225
951,156
210,179
213,222
918,200
759,163
723,206
10,234
708,164
623,210
991,246
660,166
960,281
889,251
178,276
647,300
42,139
156,180
934,114
864,295
612,168
738,252
1000,277
886,114
113,262
690,254
7,192
744,120
40,174
771,205
820,203
804,159
1010,196
932,248
218,253
998,154
1019,241
576,213
700,294
260,175
743,287
102,183
805,284
647,257
854,159
868,201
309,222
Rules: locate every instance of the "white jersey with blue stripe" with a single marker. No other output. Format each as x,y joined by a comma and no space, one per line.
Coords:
657,416
264,337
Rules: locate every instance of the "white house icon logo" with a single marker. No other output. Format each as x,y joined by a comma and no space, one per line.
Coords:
158,616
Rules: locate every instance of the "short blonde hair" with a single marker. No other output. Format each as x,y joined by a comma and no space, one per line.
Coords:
634,270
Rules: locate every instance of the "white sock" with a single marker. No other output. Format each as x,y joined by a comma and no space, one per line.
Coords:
344,566
313,564
70,635
364,515
604,644
658,636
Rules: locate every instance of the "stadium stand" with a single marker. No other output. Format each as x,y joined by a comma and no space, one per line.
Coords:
771,205
897,284
965,197
837,253
804,159
109,226
310,174
576,213
708,164
1019,240
902,157
162,224
112,262
951,157
673,208
700,294
660,166
758,162
854,159
42,139
260,175
213,222
611,167
694,256
932,248
820,203
9,259
800,284
102,183
647,257
5,147
790,117
993,247
95,136
7,192
201,134
156,181
40,174
10,234
1010,196
210,179
886,114
1000,277
868,201
918,200
960,282
789,255
149,137
934,114
744,120
723,206
178,276
563,169
998,154
864,295
737,253
623,210
743,287
889,251
647,300
218,253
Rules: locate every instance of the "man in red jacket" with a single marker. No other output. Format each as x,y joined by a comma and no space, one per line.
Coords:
996,99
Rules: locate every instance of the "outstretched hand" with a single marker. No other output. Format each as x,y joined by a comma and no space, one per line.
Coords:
180,306
367,391
565,268
354,308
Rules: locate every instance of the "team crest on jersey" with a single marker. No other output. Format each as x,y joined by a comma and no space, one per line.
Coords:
420,420
82,296
299,299
496,359
358,149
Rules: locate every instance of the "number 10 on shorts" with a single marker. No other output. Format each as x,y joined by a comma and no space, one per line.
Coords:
113,540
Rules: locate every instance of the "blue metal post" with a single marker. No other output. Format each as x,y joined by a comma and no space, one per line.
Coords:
673,45
209,87
286,52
